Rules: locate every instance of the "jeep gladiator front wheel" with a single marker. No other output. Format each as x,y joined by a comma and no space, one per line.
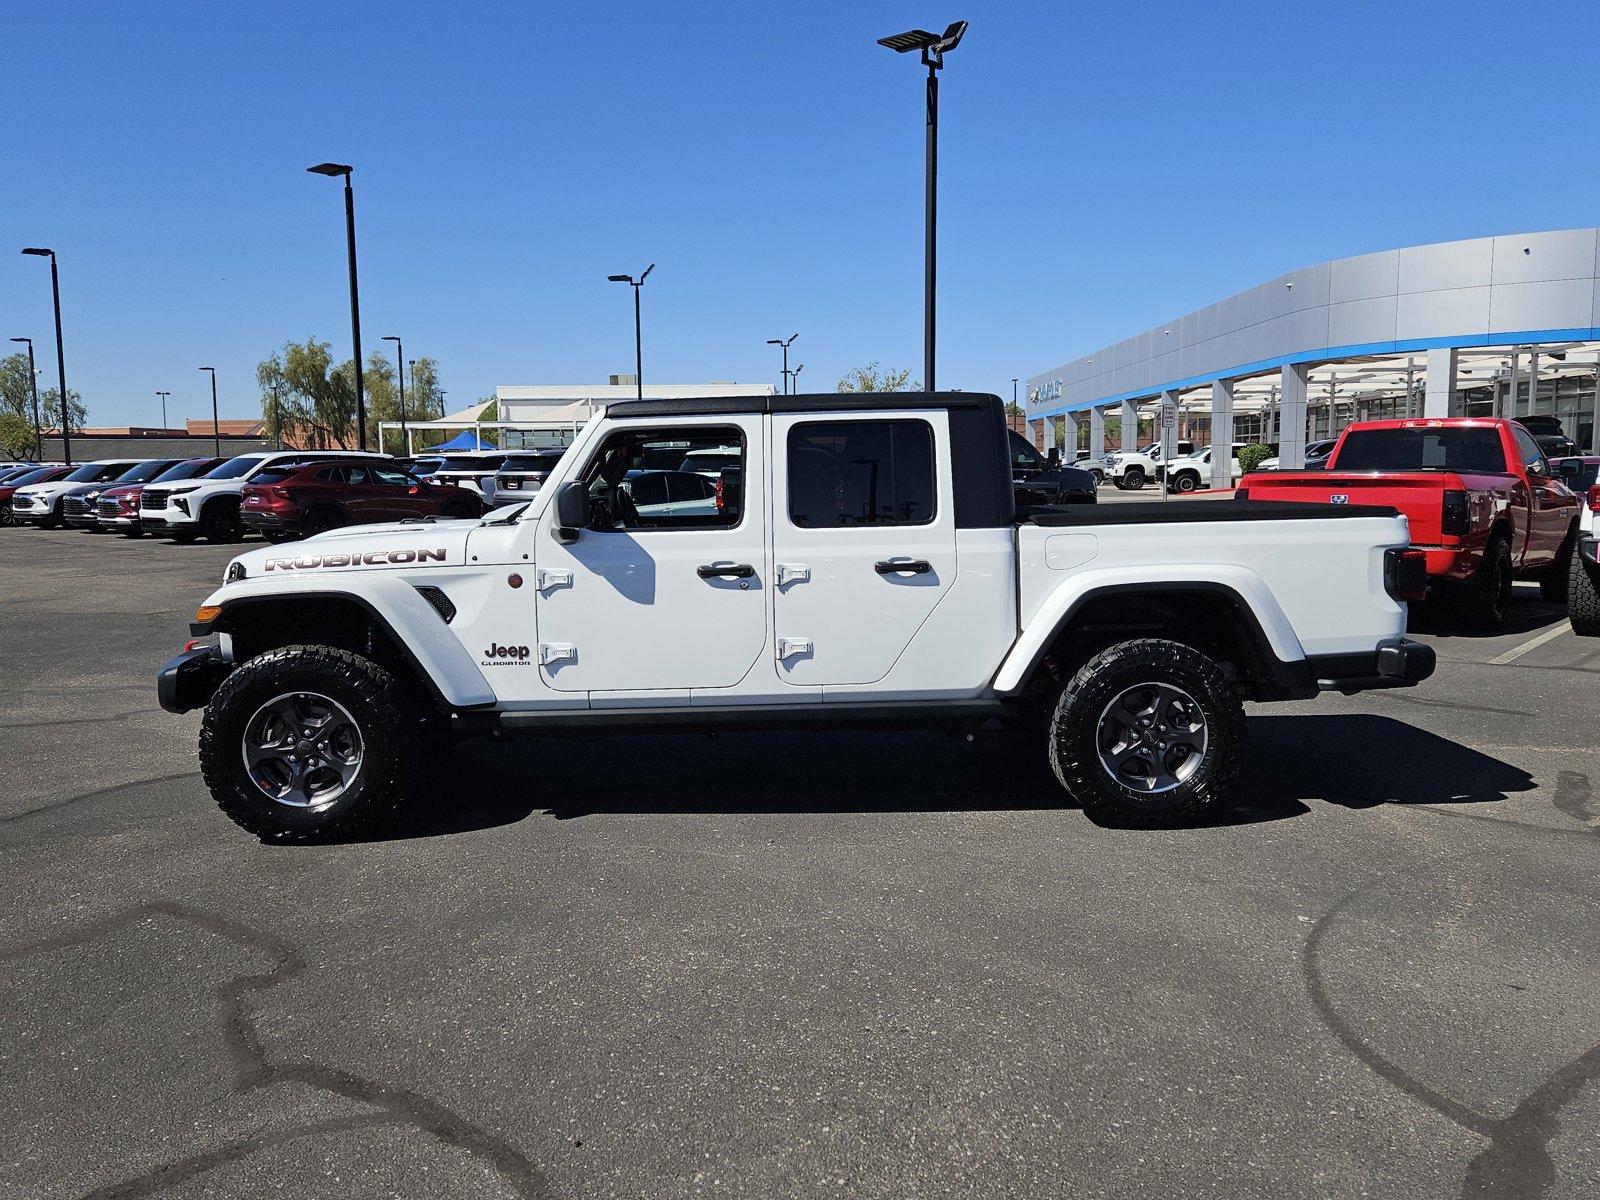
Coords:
1148,733
309,743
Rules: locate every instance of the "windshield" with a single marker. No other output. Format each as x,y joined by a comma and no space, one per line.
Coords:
145,472
185,470
234,467
1469,450
37,476
94,472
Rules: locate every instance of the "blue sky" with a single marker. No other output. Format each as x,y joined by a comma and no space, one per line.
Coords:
1104,167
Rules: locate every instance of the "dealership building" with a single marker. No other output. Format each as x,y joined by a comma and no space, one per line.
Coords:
1500,326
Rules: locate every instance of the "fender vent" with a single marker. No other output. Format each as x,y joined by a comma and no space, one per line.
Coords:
441,603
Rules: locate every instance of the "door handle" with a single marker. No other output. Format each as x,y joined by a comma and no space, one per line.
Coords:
725,571
911,566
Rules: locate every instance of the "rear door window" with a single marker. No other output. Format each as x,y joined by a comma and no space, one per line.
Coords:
847,473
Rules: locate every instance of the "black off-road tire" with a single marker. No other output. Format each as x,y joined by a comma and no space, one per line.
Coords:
1485,599
1076,732
1186,481
1583,597
1553,583
385,716
1133,478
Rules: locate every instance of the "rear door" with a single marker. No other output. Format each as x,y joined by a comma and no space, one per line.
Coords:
864,543
1550,505
398,496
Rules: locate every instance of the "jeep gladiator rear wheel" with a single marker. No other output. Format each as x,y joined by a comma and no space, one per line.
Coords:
309,743
1148,733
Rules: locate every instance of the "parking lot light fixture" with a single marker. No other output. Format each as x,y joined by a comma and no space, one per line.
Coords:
794,375
785,345
334,171
216,426
163,396
933,47
61,355
638,342
33,378
400,369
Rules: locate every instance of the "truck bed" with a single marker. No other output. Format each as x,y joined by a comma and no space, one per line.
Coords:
1200,512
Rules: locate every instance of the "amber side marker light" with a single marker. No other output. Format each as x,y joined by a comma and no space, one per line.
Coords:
207,613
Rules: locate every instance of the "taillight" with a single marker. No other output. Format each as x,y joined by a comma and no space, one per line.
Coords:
1405,573
279,493
1594,498
1454,517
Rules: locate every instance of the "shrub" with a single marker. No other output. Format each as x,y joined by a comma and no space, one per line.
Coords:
1251,456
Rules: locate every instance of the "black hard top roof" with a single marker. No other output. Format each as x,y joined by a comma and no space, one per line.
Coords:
806,402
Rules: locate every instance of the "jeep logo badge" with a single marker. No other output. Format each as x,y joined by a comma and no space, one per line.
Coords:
1339,498
516,653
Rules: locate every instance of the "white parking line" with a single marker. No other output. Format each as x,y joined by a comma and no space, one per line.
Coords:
1531,644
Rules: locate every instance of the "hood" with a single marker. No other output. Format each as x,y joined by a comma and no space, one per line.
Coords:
363,548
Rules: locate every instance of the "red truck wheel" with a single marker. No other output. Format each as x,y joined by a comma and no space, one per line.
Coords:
1486,597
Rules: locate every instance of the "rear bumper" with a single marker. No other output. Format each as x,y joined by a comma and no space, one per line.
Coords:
189,680
1589,550
268,522
1450,562
1402,663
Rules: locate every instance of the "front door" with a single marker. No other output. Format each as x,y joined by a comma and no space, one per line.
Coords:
665,590
864,543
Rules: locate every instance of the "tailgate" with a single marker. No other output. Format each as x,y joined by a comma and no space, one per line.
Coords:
1420,497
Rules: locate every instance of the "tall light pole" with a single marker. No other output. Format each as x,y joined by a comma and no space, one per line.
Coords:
400,369
61,355
216,426
1013,393
795,376
785,345
933,46
33,378
334,170
638,341
163,396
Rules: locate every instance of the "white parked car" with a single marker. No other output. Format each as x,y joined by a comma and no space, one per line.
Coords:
41,502
1192,472
1132,469
208,507
1316,456
876,575
472,469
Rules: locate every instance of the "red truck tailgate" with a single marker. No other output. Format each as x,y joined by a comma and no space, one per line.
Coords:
1419,496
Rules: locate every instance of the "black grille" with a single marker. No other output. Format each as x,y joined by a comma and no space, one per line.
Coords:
109,507
75,506
152,499
441,603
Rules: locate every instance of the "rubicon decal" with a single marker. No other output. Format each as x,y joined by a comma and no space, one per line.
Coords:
374,558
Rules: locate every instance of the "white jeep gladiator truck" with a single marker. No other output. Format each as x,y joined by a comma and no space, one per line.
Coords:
857,562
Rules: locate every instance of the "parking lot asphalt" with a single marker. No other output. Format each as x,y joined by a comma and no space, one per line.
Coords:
756,965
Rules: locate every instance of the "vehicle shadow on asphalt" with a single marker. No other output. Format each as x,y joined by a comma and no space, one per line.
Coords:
1356,761
1526,614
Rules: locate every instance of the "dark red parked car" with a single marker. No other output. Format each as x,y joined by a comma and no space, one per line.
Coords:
300,499
38,475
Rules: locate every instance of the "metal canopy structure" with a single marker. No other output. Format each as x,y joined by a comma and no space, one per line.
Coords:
1446,329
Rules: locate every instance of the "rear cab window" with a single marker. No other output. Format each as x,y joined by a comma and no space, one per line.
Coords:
1469,450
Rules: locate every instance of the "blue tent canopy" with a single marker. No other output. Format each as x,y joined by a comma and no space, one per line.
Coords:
467,439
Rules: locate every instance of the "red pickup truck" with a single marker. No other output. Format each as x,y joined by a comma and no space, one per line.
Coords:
1480,497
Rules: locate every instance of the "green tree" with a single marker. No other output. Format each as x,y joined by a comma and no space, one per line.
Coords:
309,400
16,436
16,399
871,379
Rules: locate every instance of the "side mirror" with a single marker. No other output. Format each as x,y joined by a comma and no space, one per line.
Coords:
1052,457
572,510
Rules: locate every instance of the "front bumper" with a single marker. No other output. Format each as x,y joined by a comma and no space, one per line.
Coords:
1402,663
119,522
190,679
